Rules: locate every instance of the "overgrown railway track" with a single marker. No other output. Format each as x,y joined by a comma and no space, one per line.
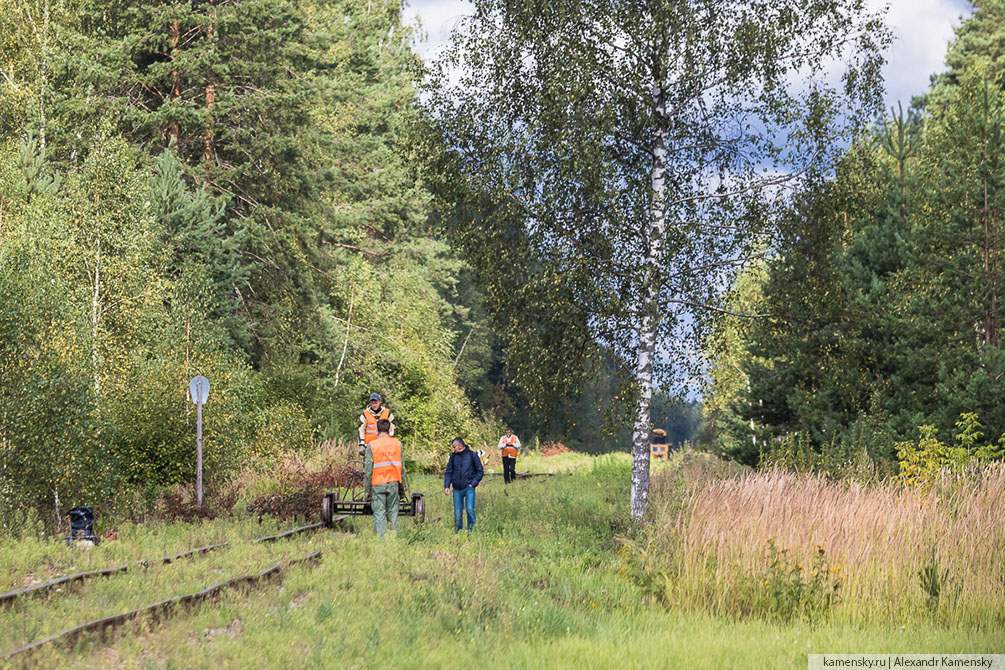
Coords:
160,609
39,589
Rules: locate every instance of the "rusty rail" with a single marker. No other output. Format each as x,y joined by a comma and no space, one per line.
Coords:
9,597
163,607
295,531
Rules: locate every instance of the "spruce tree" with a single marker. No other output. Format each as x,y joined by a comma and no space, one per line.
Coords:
225,86
980,40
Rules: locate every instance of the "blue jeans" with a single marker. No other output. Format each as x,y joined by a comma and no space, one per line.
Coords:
464,498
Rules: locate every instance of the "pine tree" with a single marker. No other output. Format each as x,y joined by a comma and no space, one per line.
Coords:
980,41
226,87
805,364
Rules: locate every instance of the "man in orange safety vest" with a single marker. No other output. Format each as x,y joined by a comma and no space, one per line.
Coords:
509,445
384,478
368,421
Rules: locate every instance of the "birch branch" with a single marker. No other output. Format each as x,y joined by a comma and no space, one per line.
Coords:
9,80
463,344
345,344
720,310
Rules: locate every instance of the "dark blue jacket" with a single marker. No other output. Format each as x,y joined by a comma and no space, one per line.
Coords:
463,469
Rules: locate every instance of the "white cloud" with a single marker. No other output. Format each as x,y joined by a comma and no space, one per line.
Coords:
922,29
438,18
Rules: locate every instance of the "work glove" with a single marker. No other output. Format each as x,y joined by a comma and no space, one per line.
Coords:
362,448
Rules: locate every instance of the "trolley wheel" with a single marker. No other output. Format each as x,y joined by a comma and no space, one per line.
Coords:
419,507
326,510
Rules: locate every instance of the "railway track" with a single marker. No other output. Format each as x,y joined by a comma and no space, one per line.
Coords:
160,609
163,608
7,599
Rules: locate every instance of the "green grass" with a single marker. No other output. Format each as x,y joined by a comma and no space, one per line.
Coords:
35,617
31,559
540,583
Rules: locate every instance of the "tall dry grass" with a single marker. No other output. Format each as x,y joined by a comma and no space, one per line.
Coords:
710,544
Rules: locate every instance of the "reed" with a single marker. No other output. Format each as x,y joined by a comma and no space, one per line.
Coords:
895,552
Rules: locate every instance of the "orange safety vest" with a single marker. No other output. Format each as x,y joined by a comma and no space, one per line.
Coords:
386,452
371,423
509,451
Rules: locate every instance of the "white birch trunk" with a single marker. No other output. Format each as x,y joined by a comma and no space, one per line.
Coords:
96,320
648,323
42,37
345,344
43,121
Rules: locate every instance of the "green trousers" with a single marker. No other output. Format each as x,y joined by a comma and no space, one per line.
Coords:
384,500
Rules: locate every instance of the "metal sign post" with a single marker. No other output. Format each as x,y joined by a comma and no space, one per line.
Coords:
198,390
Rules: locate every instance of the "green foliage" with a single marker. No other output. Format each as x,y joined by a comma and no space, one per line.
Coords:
203,260
33,34
786,592
806,364
724,429
933,580
48,438
226,189
604,195
923,461
970,430
846,460
978,42
31,161
885,287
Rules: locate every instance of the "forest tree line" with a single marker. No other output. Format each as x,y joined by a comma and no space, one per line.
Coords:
881,297
255,191
225,188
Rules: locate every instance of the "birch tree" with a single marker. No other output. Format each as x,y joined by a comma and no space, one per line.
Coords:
641,147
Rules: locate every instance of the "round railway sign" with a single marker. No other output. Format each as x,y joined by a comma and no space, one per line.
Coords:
198,390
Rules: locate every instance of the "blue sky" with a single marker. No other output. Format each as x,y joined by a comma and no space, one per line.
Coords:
921,28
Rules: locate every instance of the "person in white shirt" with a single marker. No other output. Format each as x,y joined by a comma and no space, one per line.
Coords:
509,446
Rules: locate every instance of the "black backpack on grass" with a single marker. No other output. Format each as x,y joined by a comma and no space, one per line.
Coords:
82,524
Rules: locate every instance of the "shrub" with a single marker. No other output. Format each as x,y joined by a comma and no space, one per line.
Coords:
180,502
922,462
292,484
843,460
554,449
784,591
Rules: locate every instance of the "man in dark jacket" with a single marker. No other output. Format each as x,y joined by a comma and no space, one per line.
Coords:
464,472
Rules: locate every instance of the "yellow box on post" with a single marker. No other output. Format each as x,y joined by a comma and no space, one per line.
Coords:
659,446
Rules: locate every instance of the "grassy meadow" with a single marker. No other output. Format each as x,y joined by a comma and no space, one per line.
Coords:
776,541
555,576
